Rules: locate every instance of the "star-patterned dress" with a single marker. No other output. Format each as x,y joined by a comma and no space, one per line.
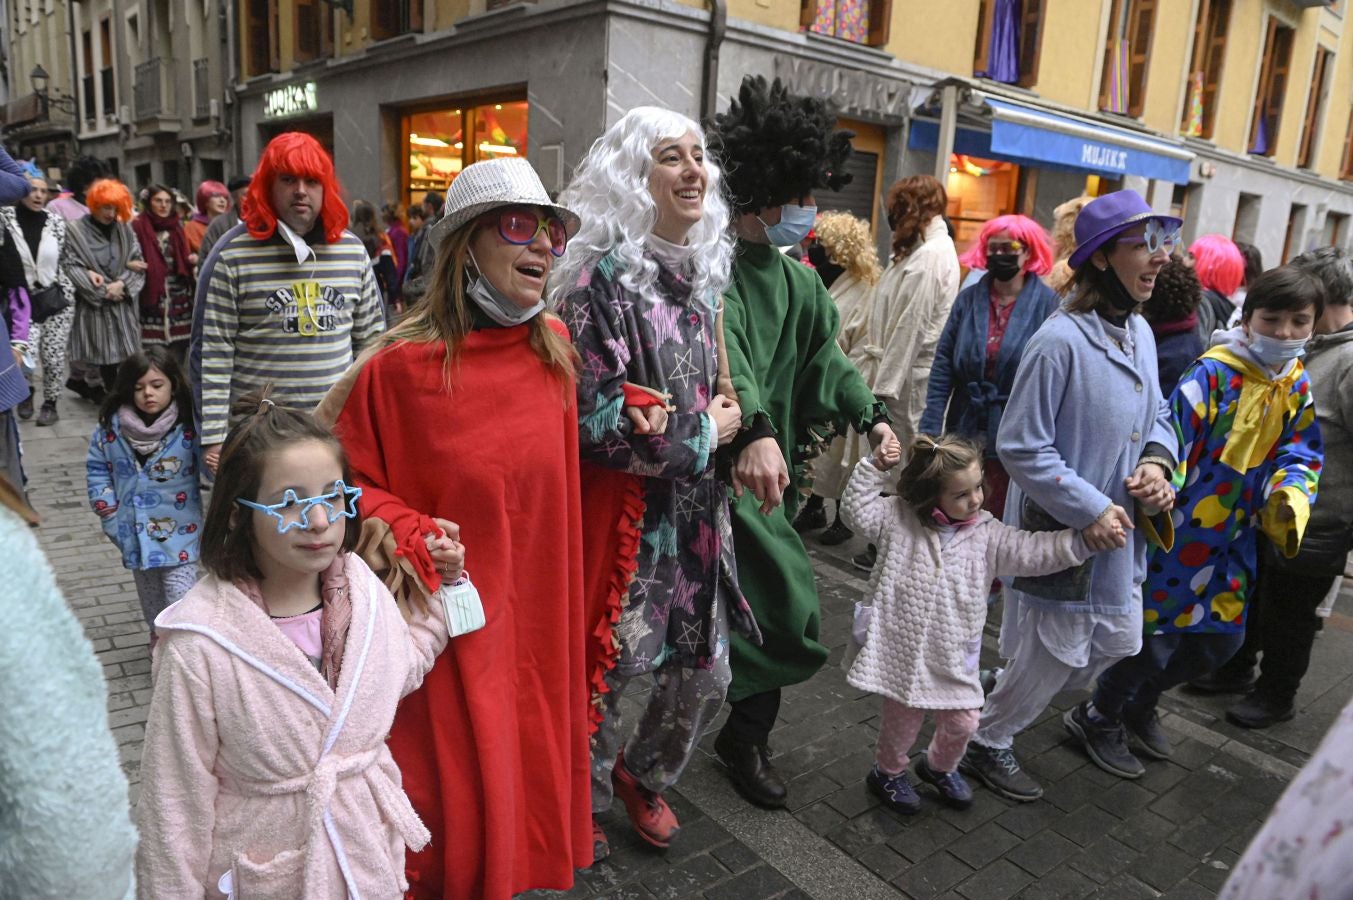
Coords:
1202,585
685,552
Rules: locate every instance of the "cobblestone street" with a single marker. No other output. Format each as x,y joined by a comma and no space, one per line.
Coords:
1174,833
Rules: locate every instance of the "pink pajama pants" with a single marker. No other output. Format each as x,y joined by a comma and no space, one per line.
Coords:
953,729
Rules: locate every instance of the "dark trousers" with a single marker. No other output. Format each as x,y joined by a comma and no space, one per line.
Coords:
109,375
751,719
1165,660
1281,624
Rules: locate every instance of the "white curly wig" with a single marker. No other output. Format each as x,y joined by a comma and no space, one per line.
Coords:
610,193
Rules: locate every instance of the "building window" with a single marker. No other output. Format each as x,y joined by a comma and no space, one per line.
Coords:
1246,226
262,53
1336,227
437,148
1315,102
1296,222
391,18
1009,38
1127,46
1209,54
107,82
314,30
1346,166
858,21
1268,100
87,76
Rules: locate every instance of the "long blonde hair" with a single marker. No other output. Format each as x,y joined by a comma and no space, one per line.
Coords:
442,315
849,244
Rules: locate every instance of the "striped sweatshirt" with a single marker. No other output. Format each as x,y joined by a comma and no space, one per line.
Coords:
267,318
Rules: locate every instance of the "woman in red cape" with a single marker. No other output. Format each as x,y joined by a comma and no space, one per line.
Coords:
467,413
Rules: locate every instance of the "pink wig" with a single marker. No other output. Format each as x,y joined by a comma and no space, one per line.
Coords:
1020,228
1219,263
208,189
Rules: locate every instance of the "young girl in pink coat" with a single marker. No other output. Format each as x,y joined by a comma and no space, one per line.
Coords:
938,552
265,772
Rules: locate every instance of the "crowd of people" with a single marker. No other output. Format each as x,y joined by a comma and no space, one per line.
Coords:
408,508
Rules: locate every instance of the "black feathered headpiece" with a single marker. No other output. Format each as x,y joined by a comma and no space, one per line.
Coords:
776,146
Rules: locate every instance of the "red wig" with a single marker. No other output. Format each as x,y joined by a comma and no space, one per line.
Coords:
1219,263
293,153
208,189
1020,228
110,192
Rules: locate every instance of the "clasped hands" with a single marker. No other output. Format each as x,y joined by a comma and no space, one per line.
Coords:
1150,487
446,550
761,468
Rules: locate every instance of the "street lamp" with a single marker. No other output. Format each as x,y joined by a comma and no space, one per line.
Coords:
39,79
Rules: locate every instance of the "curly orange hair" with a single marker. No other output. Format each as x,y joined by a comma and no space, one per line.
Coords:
293,153
912,203
110,192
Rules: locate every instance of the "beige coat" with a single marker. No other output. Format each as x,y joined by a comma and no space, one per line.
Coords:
854,301
911,305
258,781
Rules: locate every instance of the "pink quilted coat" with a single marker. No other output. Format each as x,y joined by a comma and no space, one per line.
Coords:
258,780
930,602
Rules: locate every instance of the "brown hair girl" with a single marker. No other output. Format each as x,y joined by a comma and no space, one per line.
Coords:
929,463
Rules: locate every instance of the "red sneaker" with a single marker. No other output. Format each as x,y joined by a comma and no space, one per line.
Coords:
649,813
601,845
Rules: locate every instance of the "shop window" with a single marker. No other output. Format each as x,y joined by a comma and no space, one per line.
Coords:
1209,54
439,143
1296,222
262,53
1127,46
1268,100
1336,227
391,18
858,21
1009,39
1315,102
314,30
979,190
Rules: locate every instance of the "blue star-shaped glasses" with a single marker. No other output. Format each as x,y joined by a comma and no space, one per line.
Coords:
294,512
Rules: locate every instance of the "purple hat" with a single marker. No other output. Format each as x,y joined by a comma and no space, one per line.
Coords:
1104,217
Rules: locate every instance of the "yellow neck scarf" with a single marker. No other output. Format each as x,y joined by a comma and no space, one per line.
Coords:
1259,413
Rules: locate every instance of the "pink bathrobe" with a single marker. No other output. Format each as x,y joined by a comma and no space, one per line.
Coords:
257,780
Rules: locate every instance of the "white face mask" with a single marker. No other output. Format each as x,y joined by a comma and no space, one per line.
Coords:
1273,352
494,305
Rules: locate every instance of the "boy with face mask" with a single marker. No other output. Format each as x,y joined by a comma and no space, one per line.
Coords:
1251,454
795,387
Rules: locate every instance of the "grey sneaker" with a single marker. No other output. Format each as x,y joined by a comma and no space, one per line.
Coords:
1143,726
48,414
1106,742
1000,771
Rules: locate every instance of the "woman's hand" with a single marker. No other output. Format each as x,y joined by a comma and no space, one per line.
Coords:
115,289
139,265
882,436
727,416
446,550
647,420
761,467
1109,531
192,259
1150,487
888,453
95,278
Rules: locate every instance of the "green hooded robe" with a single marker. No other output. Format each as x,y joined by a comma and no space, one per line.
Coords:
780,327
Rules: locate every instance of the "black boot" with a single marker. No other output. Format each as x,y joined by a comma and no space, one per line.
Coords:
837,532
749,767
25,408
1259,710
812,516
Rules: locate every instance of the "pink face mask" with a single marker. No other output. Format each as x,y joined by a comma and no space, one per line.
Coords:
939,516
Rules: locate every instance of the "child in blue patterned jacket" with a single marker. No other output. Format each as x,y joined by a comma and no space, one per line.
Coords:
142,475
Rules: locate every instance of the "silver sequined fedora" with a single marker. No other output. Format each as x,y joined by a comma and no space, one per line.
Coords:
490,184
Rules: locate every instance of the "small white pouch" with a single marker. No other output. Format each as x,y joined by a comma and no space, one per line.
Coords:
461,604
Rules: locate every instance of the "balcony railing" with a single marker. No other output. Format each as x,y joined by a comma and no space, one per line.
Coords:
149,95
201,88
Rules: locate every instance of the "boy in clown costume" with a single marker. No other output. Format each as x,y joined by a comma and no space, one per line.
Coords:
1252,455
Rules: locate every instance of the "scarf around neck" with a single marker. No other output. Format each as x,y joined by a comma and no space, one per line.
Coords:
146,439
1264,401
335,621
157,270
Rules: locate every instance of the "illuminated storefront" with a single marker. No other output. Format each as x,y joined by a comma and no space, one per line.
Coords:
436,147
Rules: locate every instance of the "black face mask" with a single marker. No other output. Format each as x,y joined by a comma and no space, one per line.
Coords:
1113,289
1003,266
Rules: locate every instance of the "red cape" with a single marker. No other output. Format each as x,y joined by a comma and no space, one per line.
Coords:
493,747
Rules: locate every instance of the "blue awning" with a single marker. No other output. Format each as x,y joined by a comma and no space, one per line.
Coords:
1035,137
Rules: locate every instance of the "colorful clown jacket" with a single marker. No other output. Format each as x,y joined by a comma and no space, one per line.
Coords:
1251,456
